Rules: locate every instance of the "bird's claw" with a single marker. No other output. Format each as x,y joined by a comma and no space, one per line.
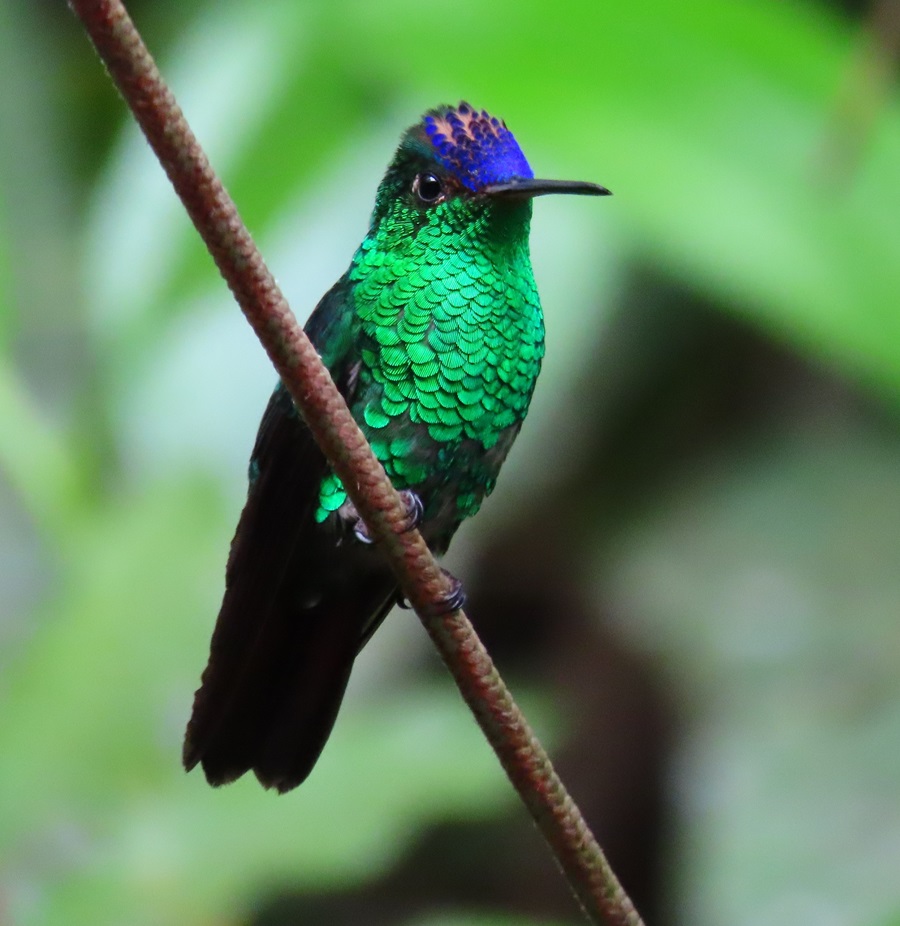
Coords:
446,604
412,518
414,511
453,600
361,532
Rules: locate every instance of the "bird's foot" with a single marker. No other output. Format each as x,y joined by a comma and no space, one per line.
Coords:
412,517
351,518
414,511
447,604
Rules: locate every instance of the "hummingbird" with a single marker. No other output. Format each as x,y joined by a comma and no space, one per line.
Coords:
434,336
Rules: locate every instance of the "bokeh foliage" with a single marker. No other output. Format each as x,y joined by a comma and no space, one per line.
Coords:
754,153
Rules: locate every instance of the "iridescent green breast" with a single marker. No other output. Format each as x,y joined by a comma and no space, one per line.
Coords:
450,333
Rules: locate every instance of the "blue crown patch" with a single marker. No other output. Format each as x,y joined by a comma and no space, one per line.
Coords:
477,147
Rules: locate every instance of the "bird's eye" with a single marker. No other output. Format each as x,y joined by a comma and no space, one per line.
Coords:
428,188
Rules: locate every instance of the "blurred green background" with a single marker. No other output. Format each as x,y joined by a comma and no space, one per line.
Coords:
690,570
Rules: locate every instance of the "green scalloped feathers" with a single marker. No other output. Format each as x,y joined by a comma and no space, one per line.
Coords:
451,336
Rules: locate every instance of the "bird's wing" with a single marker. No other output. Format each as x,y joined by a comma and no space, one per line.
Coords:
298,598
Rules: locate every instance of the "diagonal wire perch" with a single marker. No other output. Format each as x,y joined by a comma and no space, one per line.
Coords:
315,395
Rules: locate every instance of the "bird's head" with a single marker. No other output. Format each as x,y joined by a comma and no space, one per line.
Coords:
458,165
